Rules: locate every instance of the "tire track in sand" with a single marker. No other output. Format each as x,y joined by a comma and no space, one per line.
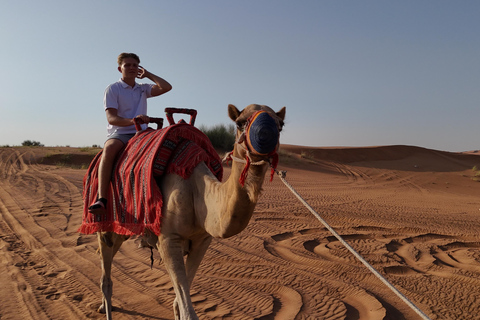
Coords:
61,273
40,263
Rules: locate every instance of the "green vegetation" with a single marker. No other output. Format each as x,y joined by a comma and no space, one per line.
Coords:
92,150
307,155
288,158
29,143
69,160
476,173
76,158
221,136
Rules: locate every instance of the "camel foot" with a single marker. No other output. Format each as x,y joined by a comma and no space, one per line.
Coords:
102,310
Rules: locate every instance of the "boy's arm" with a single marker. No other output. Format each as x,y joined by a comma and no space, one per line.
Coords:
161,85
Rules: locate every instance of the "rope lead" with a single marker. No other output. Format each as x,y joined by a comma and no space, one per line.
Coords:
282,175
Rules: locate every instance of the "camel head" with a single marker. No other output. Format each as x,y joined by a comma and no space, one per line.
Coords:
259,127
257,138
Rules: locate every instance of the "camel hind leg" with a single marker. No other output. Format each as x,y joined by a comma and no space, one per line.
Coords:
109,243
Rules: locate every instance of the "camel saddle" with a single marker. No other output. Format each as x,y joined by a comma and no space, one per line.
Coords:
135,201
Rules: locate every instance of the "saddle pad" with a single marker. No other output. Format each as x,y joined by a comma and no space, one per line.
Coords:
135,201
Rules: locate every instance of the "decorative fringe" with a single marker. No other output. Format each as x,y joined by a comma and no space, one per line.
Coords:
273,164
125,229
244,174
228,158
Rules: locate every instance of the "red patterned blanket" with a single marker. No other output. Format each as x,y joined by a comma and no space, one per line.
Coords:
135,200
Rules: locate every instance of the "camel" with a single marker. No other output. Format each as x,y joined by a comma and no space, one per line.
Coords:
196,210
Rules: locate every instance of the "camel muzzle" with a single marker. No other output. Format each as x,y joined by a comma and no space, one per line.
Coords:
262,133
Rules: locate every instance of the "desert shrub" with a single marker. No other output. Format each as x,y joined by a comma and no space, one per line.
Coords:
287,157
29,143
221,136
89,150
307,155
476,173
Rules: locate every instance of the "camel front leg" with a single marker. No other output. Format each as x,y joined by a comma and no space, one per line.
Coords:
171,250
195,256
109,243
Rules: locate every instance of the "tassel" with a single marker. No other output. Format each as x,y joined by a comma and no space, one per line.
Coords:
273,164
228,158
244,174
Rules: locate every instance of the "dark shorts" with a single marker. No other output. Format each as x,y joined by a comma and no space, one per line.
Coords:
122,137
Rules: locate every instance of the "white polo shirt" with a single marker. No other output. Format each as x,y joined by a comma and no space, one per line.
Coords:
130,102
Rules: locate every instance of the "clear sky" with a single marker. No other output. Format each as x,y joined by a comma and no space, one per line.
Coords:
351,73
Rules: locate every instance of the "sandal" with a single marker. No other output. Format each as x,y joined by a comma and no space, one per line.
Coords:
99,207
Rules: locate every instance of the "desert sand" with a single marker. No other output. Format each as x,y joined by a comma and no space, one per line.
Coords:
412,213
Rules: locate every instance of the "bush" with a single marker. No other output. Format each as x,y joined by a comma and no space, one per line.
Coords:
29,143
476,173
221,136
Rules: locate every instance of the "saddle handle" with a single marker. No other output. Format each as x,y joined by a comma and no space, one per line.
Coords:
170,111
158,121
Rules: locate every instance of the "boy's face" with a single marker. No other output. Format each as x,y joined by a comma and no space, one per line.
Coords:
129,68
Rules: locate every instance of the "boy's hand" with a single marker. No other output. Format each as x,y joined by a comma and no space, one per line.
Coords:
143,118
161,86
142,72
139,120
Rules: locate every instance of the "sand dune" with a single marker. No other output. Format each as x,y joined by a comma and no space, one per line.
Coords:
412,213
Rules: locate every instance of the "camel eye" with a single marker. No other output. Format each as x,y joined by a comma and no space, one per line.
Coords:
240,125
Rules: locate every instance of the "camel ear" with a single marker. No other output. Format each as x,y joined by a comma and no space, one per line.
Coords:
233,112
281,113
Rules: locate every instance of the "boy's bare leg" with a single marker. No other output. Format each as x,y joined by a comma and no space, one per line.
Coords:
110,151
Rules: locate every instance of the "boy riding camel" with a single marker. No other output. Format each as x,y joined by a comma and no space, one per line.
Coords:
123,101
